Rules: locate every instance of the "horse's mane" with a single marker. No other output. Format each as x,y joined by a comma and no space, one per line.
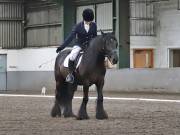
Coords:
95,42
91,54
101,38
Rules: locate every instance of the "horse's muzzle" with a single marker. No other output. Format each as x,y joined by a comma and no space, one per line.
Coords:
113,57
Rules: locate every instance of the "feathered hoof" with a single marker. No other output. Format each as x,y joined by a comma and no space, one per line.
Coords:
82,117
56,111
68,115
101,115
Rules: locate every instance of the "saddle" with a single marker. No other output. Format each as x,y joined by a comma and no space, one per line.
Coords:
76,62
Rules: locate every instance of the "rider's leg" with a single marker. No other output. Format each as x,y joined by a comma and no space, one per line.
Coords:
74,53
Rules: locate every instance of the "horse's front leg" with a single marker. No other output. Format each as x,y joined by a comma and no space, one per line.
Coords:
82,114
67,112
100,112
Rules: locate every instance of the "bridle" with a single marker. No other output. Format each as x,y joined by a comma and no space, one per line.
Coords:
105,52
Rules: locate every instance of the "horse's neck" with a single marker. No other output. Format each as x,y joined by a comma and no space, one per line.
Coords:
92,58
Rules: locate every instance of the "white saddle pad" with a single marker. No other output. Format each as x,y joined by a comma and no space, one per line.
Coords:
66,61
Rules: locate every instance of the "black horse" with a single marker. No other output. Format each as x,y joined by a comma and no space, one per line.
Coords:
90,71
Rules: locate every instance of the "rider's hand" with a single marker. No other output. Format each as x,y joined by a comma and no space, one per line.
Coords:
59,49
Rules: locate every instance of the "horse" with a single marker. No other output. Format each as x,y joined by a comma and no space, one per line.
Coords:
90,71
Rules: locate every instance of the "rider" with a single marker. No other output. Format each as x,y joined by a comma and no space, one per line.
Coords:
83,32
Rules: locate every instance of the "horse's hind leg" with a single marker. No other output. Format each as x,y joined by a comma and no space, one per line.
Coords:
71,88
56,110
82,111
100,112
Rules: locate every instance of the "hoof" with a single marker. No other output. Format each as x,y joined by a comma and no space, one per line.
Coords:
101,115
55,112
69,115
82,116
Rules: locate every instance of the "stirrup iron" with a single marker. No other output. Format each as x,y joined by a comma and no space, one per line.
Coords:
70,78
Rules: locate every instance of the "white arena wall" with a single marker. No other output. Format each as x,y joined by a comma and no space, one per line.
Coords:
30,59
159,80
24,73
30,69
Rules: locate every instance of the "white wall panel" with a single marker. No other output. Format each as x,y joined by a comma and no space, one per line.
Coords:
30,59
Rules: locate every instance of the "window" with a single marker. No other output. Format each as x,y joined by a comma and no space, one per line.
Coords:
11,17
103,16
43,25
79,11
141,18
143,58
174,58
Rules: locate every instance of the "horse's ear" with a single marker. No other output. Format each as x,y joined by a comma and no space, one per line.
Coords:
102,33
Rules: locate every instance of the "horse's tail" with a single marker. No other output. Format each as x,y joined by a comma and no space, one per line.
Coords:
64,91
63,102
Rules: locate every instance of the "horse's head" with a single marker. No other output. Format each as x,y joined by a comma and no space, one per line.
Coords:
110,45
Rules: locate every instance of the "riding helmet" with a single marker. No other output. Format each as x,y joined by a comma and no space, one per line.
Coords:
88,15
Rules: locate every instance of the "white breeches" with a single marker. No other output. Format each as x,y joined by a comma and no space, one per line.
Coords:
74,53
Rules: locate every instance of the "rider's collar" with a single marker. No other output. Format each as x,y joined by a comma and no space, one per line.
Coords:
87,23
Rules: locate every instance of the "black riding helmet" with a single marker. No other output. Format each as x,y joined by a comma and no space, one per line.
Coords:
88,15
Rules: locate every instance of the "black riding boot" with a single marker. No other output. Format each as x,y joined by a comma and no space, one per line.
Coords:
70,77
